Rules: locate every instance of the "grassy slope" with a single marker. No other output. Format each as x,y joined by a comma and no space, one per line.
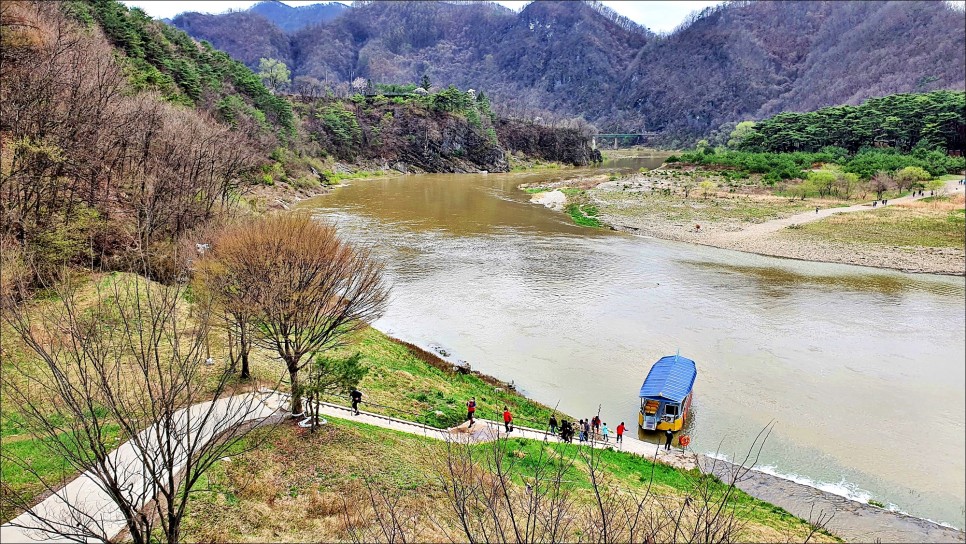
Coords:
292,486
409,383
403,381
250,497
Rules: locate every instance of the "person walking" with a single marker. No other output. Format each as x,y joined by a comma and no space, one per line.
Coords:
604,431
587,430
620,433
507,419
471,409
553,424
595,424
668,435
356,397
816,209
580,427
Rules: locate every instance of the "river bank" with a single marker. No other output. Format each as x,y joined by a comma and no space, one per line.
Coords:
845,517
756,222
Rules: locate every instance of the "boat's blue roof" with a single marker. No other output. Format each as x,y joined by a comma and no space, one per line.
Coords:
671,378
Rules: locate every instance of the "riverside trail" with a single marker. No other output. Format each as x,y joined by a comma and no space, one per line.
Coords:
849,519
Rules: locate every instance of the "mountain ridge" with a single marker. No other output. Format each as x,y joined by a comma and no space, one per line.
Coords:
732,62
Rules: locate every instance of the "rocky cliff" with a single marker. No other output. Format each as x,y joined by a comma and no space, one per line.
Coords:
409,137
564,145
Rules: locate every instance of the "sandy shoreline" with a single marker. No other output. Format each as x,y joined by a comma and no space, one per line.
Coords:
621,212
915,260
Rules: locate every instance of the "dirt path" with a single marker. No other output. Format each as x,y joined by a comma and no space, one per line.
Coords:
761,229
767,239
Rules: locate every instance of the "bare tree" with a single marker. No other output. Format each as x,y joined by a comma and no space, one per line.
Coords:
230,298
310,288
880,183
131,365
493,496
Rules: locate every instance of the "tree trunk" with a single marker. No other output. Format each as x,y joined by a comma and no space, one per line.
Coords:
245,345
245,372
293,375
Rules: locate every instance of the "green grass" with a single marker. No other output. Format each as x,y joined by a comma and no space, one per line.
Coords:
338,177
523,165
42,460
877,504
412,384
584,215
534,190
287,472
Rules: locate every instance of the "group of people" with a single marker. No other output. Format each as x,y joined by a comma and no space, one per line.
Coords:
586,429
471,415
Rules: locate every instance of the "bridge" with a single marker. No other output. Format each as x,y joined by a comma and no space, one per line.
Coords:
627,139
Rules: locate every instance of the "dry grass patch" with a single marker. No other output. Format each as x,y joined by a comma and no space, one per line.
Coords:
930,223
302,487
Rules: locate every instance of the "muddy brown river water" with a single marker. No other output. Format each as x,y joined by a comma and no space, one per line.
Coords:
862,370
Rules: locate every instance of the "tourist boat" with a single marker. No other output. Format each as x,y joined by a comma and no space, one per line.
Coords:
666,393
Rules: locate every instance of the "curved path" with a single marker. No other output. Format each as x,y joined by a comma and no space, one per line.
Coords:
850,519
775,225
83,507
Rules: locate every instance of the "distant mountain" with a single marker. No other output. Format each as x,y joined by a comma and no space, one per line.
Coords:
291,19
736,61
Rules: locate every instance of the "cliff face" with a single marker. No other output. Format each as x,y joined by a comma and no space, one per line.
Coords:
411,138
564,145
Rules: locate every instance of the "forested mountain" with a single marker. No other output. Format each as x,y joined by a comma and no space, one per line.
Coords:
290,18
736,61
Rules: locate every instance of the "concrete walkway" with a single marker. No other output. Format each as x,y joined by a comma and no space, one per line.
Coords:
83,507
851,520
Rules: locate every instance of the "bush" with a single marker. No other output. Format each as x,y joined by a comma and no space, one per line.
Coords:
340,123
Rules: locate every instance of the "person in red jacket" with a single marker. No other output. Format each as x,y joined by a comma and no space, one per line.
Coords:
620,433
507,419
471,409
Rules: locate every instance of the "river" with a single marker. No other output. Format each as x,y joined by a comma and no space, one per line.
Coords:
861,370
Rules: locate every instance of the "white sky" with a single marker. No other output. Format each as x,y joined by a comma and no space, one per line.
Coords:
658,16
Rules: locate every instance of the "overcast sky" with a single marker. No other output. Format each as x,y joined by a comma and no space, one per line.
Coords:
658,16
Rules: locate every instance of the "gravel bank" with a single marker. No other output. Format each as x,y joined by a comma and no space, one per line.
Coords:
947,261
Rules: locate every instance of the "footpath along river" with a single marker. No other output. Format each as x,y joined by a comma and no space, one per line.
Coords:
861,369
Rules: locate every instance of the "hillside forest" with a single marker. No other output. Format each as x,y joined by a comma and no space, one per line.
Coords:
133,135
734,62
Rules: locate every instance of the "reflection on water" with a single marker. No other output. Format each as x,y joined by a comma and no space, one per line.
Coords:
862,370
780,282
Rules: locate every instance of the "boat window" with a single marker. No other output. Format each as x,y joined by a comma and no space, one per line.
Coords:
671,409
